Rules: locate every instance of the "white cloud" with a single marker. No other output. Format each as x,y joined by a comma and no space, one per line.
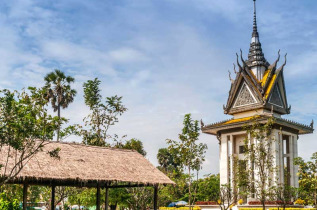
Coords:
126,55
161,56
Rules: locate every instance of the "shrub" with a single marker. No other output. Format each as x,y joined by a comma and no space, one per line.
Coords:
7,205
300,202
268,203
206,203
179,208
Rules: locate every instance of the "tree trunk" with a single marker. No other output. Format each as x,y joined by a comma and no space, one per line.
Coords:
59,117
195,189
315,195
189,190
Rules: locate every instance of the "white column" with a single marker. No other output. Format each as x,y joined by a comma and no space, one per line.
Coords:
296,184
291,160
232,160
276,155
251,196
224,160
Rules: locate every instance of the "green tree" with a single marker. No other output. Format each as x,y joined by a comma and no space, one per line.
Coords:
25,127
241,180
84,197
140,197
59,92
283,194
308,178
207,188
44,193
171,193
118,196
190,153
168,162
6,204
259,155
9,194
132,144
102,115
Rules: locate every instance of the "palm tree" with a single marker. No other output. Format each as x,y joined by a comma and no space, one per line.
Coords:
59,92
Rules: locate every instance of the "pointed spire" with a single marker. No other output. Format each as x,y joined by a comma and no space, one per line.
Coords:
255,27
256,61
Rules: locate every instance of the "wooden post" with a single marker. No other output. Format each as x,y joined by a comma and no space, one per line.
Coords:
25,196
155,197
107,198
53,198
98,198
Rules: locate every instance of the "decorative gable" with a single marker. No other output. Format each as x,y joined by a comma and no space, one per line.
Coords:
245,97
275,98
248,93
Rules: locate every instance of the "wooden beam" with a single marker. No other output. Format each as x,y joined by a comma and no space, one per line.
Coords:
25,196
107,198
155,197
66,183
53,198
98,198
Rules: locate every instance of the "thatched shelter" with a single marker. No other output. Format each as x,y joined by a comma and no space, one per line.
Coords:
88,166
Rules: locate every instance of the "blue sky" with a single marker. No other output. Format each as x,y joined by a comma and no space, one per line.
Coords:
165,57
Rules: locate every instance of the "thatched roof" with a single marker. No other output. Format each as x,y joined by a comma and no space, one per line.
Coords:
81,165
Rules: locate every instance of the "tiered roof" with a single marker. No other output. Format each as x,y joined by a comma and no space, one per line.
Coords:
267,93
258,90
257,84
231,124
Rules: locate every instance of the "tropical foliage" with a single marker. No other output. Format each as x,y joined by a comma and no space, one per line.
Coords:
308,179
59,92
102,115
25,126
207,188
188,152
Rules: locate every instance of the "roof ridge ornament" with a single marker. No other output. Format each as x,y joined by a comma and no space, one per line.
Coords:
234,68
241,56
283,65
202,124
231,80
285,59
240,67
272,66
